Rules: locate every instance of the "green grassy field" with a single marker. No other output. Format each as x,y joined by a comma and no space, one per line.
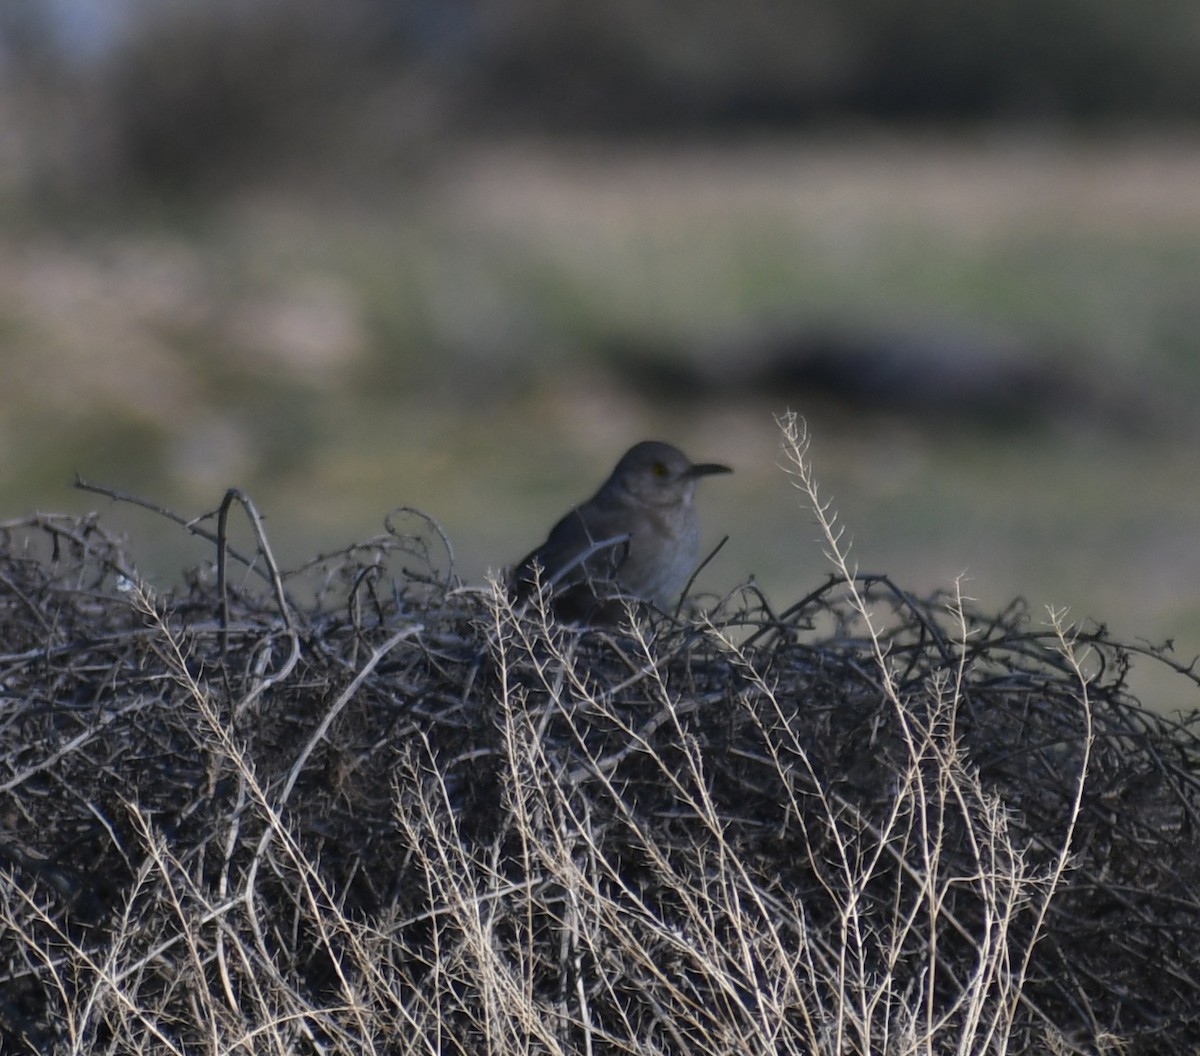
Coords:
448,340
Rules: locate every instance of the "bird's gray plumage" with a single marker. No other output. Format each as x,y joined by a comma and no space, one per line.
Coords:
637,537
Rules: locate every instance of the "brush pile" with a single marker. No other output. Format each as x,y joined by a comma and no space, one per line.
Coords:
361,808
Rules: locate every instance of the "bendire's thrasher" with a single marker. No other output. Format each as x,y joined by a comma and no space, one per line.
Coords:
638,537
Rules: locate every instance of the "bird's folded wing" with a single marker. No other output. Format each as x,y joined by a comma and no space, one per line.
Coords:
576,551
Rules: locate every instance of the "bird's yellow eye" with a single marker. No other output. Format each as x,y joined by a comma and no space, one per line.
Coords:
659,469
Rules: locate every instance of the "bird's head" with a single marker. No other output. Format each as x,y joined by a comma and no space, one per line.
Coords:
659,474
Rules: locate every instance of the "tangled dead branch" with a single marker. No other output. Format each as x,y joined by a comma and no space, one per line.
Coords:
360,808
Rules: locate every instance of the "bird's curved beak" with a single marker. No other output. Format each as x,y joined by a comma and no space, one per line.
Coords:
707,469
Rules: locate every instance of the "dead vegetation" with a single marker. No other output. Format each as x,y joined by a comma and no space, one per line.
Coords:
361,808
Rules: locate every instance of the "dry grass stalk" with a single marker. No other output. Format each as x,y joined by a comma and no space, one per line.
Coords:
400,815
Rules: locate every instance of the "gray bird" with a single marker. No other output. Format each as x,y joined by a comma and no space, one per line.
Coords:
638,537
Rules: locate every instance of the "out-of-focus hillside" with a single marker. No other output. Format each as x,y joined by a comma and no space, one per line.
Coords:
105,94
458,256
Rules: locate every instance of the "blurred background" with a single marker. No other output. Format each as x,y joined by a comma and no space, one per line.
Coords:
459,255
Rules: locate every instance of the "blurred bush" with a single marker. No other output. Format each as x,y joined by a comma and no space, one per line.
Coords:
711,63
185,93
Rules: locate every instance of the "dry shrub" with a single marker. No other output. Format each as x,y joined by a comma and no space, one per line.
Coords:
364,809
